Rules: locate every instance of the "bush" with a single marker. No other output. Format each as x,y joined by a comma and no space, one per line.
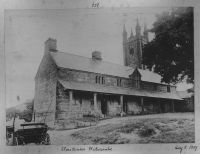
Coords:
147,131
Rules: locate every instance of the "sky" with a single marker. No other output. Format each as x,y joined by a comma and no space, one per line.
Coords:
77,31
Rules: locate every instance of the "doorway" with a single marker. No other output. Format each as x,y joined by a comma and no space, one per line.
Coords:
104,105
125,105
164,107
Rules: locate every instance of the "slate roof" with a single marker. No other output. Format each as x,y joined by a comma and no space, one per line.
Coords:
67,60
116,90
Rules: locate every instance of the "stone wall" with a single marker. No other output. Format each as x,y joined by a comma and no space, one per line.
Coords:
150,105
156,87
62,103
133,108
133,105
114,107
45,91
81,76
161,87
148,86
75,113
81,105
88,77
173,89
185,105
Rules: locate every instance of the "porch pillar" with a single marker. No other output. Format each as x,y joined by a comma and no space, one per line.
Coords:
172,105
121,103
95,102
142,104
70,98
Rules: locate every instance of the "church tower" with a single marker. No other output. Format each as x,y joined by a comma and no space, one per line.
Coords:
125,46
133,46
138,46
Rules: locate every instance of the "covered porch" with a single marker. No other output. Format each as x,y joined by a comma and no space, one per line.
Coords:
111,101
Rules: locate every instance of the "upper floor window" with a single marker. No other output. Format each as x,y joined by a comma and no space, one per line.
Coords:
168,89
97,79
137,83
119,82
100,79
135,78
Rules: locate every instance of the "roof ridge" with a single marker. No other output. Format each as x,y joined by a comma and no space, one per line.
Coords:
73,61
128,67
91,59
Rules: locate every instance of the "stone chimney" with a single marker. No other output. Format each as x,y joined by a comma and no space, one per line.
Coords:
51,45
96,55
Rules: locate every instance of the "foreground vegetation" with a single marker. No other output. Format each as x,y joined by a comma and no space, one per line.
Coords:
140,131
154,128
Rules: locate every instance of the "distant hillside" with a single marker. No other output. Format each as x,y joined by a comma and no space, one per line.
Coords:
21,109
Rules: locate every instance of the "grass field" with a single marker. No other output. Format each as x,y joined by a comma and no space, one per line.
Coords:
130,130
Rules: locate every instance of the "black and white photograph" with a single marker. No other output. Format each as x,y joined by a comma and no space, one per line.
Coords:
107,76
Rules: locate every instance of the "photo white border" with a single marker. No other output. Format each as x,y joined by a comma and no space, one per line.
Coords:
75,4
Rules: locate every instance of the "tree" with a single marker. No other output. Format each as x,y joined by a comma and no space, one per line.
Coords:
28,112
25,114
171,52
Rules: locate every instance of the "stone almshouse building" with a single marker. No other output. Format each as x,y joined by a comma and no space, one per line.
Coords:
69,86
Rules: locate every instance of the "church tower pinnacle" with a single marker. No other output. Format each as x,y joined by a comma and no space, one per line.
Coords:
124,34
133,46
125,45
138,53
131,33
138,28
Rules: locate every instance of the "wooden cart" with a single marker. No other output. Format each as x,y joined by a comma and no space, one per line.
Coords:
31,133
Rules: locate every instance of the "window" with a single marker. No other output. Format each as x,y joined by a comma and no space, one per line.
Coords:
96,79
168,88
137,82
119,82
100,79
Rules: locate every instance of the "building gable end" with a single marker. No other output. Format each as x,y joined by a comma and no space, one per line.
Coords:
45,63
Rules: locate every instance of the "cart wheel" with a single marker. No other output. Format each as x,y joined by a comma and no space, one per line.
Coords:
16,141
46,140
9,140
20,140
